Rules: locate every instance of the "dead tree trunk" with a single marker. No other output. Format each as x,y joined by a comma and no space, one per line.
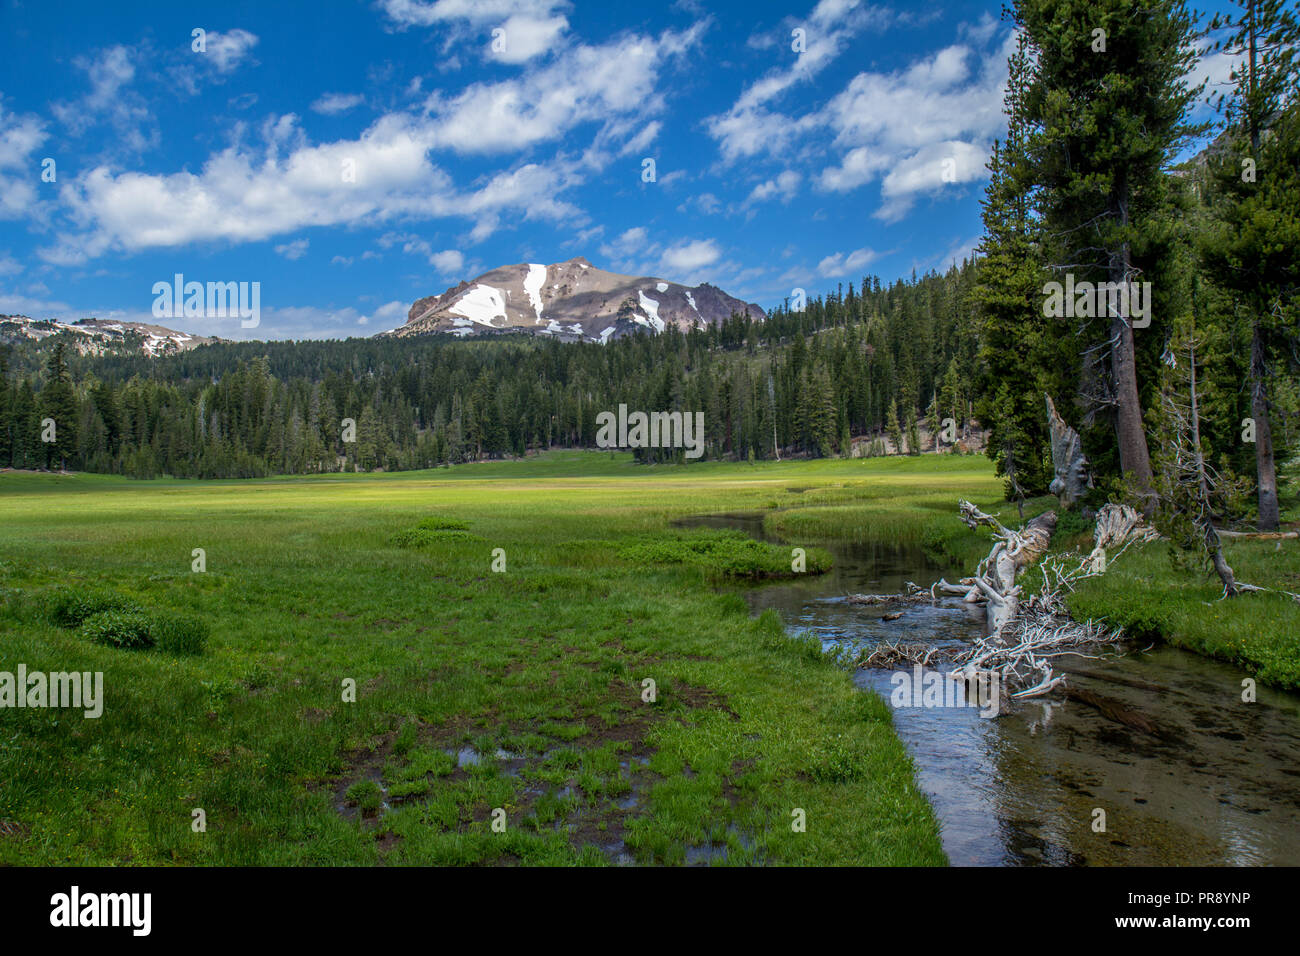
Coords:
1264,463
1134,457
995,578
1025,637
1072,479
1212,543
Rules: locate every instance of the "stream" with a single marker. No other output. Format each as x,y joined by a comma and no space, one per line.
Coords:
1218,785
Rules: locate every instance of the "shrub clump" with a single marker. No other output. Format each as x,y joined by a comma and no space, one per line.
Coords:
438,523
1072,523
433,531
408,790
125,629
366,795
114,620
836,761
67,608
728,552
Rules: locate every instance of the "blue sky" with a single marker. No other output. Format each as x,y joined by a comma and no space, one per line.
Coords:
354,156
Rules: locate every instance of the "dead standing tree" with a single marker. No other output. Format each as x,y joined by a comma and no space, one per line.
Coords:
1191,489
1187,483
1072,479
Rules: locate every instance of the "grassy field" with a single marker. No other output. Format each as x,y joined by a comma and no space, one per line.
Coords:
477,689
1146,595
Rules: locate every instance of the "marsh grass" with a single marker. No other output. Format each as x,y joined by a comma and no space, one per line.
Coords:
1151,599
538,672
727,554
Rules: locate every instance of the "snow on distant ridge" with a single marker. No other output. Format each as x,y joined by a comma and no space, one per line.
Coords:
691,299
661,286
96,335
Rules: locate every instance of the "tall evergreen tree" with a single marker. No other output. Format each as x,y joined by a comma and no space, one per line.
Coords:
6,410
1020,355
1107,103
58,406
1255,248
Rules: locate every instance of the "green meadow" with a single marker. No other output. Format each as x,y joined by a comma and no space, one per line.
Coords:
1154,601
500,716
500,624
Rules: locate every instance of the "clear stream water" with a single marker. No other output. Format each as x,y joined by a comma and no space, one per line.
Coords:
1219,784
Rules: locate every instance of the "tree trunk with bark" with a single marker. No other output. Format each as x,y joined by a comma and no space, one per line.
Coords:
1264,462
1134,457
1212,543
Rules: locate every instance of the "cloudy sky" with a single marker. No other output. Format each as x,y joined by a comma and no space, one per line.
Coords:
353,155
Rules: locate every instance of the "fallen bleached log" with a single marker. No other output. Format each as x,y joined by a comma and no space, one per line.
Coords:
1259,535
1024,635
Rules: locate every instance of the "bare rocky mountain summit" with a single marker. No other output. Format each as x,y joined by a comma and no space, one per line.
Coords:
571,300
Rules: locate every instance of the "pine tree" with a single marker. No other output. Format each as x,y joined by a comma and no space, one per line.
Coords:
59,407
1254,247
1019,357
913,437
6,410
822,412
895,429
1192,493
953,398
1107,103
26,428
932,421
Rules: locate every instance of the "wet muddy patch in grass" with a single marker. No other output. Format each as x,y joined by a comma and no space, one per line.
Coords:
583,782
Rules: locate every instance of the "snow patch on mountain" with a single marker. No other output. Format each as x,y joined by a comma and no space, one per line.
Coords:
481,304
651,309
533,283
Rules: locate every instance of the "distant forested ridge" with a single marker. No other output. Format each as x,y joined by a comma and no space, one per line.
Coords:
844,367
